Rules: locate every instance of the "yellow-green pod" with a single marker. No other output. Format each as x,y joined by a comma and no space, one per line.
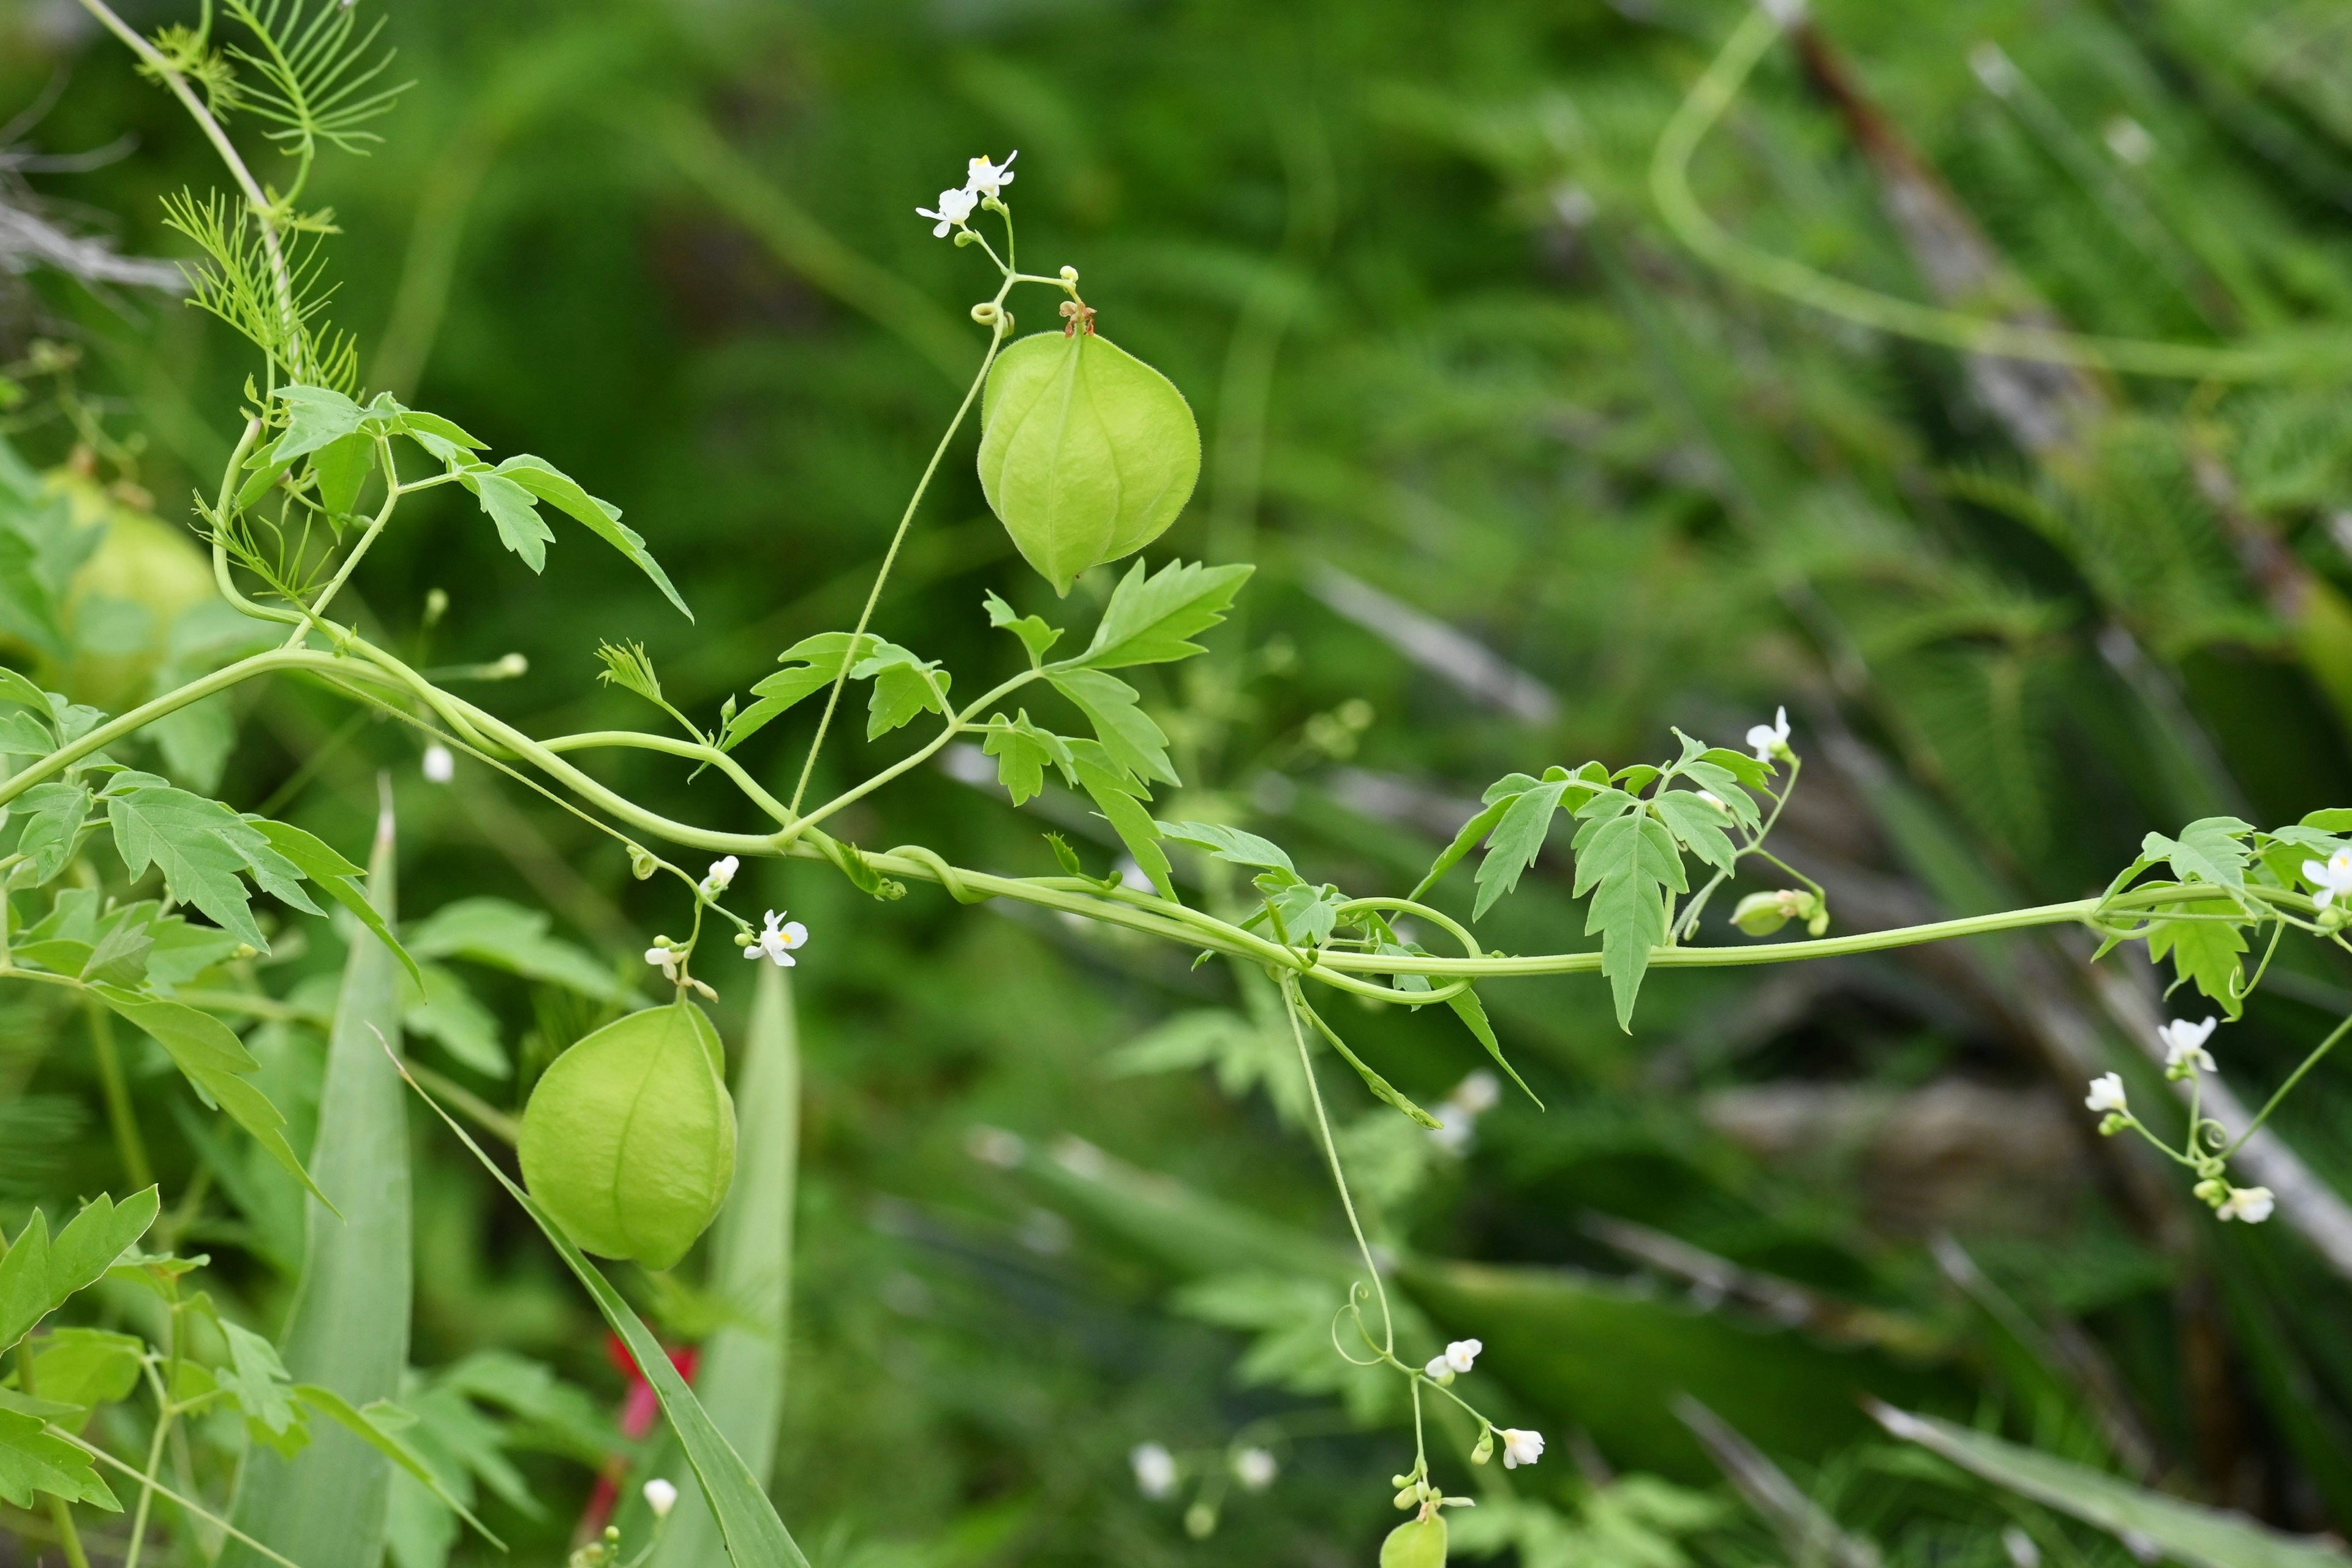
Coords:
1416,1543
629,1139
1086,453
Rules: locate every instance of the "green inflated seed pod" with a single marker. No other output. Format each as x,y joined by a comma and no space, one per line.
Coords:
1416,1543
1086,453
629,1139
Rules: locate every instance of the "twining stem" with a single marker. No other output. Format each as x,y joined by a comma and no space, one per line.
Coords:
392,494
165,1413
996,326
1295,1004
2293,1077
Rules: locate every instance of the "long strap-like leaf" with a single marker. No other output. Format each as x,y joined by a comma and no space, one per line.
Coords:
755,1536
744,1364
349,1328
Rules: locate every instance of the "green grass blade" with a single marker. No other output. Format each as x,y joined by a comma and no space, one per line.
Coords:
744,1363
2185,1532
347,1330
755,1537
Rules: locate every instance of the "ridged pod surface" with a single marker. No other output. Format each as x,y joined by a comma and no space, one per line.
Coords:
1086,453
1416,1543
629,1139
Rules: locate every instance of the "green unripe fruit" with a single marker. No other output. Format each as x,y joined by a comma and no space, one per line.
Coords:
1086,453
629,1139
1417,1543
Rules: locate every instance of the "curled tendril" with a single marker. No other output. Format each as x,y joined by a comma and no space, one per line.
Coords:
1354,1309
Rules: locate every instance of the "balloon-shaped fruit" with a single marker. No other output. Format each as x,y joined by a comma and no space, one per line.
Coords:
139,576
629,1139
1416,1543
1086,453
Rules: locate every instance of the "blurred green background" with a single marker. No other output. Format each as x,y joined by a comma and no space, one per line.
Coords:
1527,482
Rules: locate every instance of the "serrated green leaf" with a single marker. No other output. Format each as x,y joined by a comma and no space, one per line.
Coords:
40,1272
32,1460
333,874
1308,913
256,1379
1698,824
1034,634
1473,1013
2208,953
25,735
85,1367
2212,850
316,416
601,518
1627,862
516,513
1024,752
53,815
1740,765
1230,844
901,688
1133,742
811,664
342,466
18,687
1117,794
210,1057
1465,841
203,847
1151,618
1517,838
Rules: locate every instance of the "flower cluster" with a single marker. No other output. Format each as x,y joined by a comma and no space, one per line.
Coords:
985,184
2185,1057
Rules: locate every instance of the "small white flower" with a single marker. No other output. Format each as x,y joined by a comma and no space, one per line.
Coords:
1478,1093
1768,738
2334,880
777,942
1458,1358
1519,1447
955,206
1253,1467
1714,799
2185,1042
661,1497
2253,1205
723,873
1155,1470
440,767
2107,1093
666,959
989,179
